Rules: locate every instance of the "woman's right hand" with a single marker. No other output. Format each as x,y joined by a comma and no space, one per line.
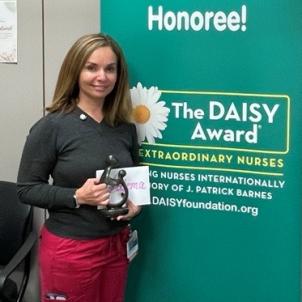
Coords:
93,193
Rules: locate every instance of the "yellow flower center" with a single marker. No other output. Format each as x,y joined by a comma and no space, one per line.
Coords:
141,114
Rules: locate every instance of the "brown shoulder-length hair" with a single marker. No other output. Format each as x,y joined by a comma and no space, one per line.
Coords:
117,106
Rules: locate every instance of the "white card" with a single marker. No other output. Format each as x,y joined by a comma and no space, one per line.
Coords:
138,183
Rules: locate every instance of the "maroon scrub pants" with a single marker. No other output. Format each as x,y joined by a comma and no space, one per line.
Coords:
83,270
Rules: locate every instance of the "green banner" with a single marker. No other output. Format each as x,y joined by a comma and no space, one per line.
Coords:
216,88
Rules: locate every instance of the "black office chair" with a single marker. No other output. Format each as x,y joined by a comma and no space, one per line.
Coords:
17,239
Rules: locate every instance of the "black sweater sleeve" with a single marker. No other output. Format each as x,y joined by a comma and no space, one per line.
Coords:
36,166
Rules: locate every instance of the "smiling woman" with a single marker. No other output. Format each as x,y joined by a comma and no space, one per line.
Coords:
99,64
97,80
82,252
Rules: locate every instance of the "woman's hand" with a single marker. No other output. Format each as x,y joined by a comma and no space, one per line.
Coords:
133,211
93,193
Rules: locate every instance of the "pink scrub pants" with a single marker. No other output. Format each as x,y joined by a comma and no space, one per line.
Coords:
83,270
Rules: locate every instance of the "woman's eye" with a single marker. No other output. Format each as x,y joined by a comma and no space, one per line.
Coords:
111,69
90,67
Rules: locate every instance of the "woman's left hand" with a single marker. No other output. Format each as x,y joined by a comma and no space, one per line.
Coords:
133,211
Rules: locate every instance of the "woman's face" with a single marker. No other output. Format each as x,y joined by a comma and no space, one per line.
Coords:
98,76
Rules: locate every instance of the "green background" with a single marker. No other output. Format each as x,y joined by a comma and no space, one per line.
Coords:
197,255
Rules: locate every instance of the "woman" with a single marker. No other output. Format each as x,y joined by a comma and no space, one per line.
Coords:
82,253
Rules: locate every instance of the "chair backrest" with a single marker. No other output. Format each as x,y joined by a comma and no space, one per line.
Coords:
15,220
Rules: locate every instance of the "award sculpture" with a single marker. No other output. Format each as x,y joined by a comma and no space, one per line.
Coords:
114,209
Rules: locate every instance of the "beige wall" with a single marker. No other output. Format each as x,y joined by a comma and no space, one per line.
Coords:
21,88
64,22
46,29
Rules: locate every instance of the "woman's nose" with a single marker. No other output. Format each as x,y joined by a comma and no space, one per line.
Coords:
102,74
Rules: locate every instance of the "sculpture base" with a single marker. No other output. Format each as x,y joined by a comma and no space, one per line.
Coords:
114,212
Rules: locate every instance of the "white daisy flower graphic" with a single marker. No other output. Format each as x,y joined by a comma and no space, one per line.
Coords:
149,114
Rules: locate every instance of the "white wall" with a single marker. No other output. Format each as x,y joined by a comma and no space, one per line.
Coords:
46,30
